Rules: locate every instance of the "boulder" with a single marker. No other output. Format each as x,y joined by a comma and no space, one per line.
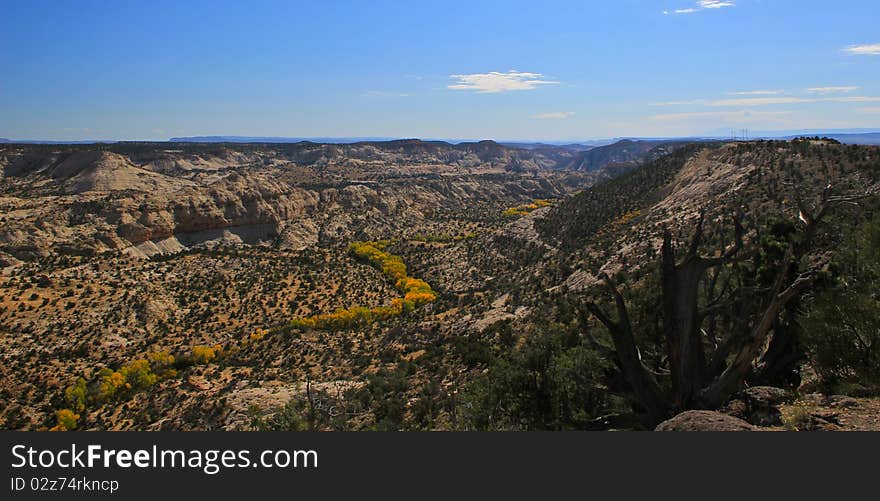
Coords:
704,421
763,402
737,408
766,396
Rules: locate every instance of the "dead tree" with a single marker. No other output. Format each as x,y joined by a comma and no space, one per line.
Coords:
699,381
681,314
644,385
785,288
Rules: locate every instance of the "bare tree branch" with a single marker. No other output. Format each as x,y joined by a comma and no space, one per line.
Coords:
640,378
732,251
697,237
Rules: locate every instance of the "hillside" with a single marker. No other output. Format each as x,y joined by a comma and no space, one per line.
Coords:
622,153
870,138
196,259
177,195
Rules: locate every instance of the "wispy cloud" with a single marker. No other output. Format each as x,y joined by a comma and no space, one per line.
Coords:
864,50
496,81
703,5
741,116
715,4
554,115
832,90
769,101
766,101
757,93
758,101
869,111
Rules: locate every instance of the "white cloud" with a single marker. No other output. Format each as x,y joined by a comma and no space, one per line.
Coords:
757,93
702,5
715,4
759,101
864,50
869,111
554,115
769,101
831,90
765,101
742,116
496,81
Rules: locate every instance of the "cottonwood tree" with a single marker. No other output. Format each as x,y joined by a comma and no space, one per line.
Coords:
704,370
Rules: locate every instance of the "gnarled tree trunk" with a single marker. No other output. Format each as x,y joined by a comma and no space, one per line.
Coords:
696,383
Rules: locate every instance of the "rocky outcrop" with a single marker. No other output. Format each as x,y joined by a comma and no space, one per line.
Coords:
625,152
149,201
759,405
704,421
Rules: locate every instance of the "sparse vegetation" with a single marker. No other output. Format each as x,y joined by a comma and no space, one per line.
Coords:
842,325
493,334
522,210
416,292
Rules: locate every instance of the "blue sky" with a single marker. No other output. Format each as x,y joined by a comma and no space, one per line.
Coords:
505,70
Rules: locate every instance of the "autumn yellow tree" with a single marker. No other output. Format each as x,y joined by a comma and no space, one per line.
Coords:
416,292
203,354
76,395
66,420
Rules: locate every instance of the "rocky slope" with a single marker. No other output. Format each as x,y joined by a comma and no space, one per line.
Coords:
147,199
111,253
622,153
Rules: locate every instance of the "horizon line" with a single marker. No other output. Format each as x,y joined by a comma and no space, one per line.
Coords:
244,139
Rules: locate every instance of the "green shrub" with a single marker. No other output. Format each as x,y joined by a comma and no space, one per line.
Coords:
553,382
842,328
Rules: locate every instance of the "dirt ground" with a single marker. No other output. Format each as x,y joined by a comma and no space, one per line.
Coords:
834,413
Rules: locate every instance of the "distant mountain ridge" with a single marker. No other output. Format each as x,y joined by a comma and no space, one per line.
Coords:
626,152
871,138
847,136
276,140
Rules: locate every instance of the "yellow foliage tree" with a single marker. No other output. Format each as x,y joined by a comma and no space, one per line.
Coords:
162,362
76,395
203,354
66,420
522,210
416,292
138,374
110,383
